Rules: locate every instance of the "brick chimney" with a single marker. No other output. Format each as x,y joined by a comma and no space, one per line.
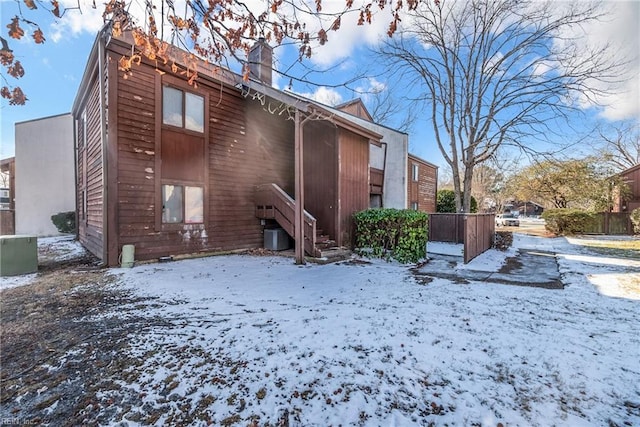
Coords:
261,61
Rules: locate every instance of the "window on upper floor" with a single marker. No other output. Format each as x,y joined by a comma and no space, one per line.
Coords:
415,171
182,109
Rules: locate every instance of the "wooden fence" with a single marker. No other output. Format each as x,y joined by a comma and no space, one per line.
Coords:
475,231
7,222
611,223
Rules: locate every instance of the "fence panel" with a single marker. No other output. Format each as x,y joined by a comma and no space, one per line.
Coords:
475,231
615,223
619,223
479,234
446,227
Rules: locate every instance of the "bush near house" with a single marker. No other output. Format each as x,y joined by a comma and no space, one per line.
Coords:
446,202
635,220
567,221
65,222
392,233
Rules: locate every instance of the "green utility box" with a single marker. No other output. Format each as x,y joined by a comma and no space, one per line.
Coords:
18,255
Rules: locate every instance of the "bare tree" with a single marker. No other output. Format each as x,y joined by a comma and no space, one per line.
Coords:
387,108
219,31
495,73
620,146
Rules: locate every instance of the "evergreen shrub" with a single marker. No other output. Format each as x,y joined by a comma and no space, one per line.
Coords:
565,222
635,220
392,233
65,222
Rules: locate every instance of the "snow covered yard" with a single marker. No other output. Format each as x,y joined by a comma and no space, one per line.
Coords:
260,341
257,340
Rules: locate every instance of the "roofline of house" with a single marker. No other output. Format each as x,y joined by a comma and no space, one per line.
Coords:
420,159
345,113
355,101
7,160
43,118
218,74
631,169
89,70
307,105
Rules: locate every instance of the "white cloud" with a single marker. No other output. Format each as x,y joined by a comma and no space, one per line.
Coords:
619,32
623,33
342,43
76,21
324,95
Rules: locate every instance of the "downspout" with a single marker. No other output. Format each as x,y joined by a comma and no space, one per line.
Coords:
103,139
384,171
75,174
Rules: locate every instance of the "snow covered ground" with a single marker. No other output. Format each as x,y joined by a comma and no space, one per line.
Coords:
261,339
58,248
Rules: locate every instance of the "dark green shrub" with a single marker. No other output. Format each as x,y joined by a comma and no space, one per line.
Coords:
635,220
563,222
446,202
399,234
65,222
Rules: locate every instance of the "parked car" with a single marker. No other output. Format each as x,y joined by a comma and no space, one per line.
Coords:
507,219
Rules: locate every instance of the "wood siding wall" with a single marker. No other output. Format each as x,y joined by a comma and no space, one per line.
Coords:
632,178
246,146
423,191
90,175
321,175
136,164
353,182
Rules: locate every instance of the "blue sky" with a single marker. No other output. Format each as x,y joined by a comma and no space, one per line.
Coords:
54,69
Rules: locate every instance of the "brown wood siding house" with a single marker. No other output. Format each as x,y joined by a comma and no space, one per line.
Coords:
174,169
422,178
631,177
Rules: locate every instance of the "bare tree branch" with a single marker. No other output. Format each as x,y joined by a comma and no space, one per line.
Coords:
498,73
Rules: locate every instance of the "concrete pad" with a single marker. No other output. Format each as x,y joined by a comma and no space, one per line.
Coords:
526,268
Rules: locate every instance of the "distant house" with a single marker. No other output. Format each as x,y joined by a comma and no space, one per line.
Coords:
422,183
44,173
528,208
631,177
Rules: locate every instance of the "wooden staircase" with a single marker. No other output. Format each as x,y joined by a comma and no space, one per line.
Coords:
272,202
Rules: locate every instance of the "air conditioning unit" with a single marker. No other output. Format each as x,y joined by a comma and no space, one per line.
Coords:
276,239
18,255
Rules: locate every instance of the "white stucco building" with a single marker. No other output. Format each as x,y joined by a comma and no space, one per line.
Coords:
44,173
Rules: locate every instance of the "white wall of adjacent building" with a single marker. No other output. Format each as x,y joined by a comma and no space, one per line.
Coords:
44,174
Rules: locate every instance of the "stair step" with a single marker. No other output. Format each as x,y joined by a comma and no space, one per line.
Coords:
326,244
333,254
322,238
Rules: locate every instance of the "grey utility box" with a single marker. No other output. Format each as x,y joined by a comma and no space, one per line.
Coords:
276,239
18,255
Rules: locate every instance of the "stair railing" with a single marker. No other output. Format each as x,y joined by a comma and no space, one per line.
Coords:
272,202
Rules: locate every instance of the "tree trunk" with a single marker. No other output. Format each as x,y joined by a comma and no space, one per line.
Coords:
468,182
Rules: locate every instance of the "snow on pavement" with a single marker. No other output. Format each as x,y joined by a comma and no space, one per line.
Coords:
259,339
